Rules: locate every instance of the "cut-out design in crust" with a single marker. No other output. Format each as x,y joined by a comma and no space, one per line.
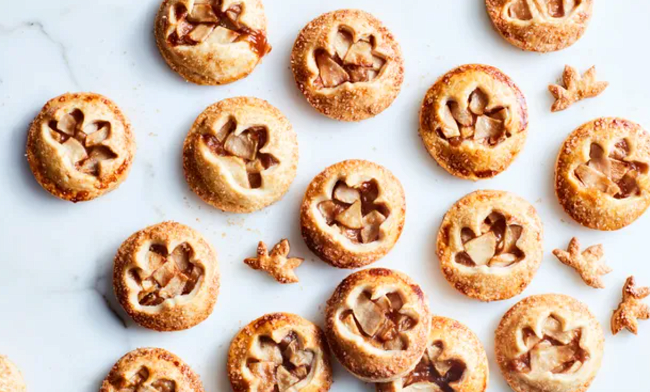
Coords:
212,42
540,25
377,324
454,361
80,146
166,277
348,65
352,213
241,155
279,352
549,343
601,173
151,369
10,378
474,121
490,245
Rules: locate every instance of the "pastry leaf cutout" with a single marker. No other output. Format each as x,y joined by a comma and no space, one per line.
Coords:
576,88
631,308
588,264
278,264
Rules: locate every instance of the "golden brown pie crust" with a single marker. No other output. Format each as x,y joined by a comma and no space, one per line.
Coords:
80,146
549,343
166,277
362,65
212,42
474,121
540,25
363,227
454,361
377,324
241,155
10,378
490,245
151,369
601,173
280,350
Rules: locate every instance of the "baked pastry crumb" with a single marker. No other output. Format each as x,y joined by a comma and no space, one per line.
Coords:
151,369
10,378
166,277
278,264
279,352
631,308
588,264
575,88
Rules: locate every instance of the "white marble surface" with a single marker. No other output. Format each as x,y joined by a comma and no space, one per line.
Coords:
59,320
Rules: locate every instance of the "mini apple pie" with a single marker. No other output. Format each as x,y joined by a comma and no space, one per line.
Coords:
348,65
377,324
279,352
474,121
454,361
80,146
241,155
540,25
352,213
490,245
212,42
166,277
151,369
601,174
549,343
10,378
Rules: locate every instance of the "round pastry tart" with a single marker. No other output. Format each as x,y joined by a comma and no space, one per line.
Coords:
151,369
454,361
10,378
348,65
279,352
212,42
601,174
241,155
490,245
166,277
352,213
80,146
377,324
549,343
540,25
474,121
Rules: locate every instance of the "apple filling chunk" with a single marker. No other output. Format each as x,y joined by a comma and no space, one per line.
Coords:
496,246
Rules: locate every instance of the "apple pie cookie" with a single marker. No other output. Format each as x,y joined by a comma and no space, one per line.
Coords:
10,378
549,343
377,324
241,155
80,146
348,65
601,174
279,352
540,25
352,213
474,121
490,245
454,361
166,277
151,369
212,42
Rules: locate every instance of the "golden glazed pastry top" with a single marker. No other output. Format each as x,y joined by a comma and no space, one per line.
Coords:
352,213
241,155
377,324
549,343
166,277
601,173
151,369
348,65
279,352
10,378
540,25
212,42
474,121
80,146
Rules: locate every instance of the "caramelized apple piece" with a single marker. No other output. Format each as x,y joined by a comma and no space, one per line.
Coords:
512,235
371,224
174,287
265,372
520,10
285,379
331,73
592,178
346,194
74,150
502,260
461,115
487,128
96,136
223,35
201,33
369,315
202,13
449,124
342,43
67,124
349,321
477,102
359,54
351,217
241,145
481,249
330,210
